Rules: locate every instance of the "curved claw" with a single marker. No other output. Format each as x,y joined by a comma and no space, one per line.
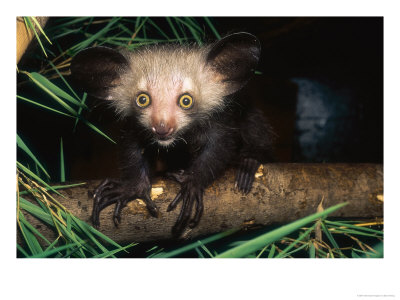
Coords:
113,191
151,207
117,213
188,195
174,202
198,212
245,175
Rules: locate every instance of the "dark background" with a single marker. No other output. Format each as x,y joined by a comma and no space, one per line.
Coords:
321,86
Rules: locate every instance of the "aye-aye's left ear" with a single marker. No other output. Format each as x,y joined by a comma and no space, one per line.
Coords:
235,58
98,69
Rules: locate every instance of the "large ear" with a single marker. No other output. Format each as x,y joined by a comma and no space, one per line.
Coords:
234,58
96,70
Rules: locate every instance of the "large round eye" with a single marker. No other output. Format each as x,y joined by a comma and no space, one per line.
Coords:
143,100
185,101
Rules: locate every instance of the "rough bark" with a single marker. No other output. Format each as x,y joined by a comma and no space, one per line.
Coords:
281,193
24,36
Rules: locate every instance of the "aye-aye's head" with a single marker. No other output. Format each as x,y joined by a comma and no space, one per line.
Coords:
166,87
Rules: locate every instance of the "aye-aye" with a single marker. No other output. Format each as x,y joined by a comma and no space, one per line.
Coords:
182,107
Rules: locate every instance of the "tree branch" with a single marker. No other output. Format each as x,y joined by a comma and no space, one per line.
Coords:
281,193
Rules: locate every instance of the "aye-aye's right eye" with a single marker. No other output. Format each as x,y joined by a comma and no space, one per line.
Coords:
143,100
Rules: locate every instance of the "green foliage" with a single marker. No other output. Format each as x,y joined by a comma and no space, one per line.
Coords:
297,239
75,237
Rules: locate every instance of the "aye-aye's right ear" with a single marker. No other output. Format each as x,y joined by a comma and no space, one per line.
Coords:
235,58
98,69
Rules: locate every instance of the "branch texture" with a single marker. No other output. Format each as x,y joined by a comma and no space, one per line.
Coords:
281,193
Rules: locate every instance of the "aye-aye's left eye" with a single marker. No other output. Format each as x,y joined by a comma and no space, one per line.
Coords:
185,101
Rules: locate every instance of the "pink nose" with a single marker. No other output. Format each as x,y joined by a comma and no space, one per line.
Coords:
163,130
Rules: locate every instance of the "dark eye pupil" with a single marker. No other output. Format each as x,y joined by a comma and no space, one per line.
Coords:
186,101
142,100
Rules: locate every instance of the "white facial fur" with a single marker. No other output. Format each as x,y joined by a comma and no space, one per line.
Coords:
165,73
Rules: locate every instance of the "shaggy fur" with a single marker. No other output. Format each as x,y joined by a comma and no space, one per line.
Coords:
196,144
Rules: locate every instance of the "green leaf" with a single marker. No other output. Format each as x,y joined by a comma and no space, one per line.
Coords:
48,91
93,38
80,110
174,30
22,146
270,237
97,130
29,25
54,187
194,245
48,85
361,228
31,227
272,251
312,250
331,239
112,252
37,178
81,104
41,29
36,211
30,240
44,106
217,35
54,251
294,243
62,165
20,249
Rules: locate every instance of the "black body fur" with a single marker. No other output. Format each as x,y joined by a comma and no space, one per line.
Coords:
237,136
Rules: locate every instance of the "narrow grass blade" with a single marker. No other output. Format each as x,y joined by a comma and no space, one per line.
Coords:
62,165
30,173
213,29
32,228
331,239
32,27
31,240
81,104
270,237
194,245
80,111
69,222
311,250
272,251
22,146
295,250
93,38
85,229
43,81
112,252
301,237
174,29
54,251
48,91
44,106
36,211
205,249
152,23
346,225
67,22
41,29
22,250
55,187
51,246
199,253
191,29
103,236
97,130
